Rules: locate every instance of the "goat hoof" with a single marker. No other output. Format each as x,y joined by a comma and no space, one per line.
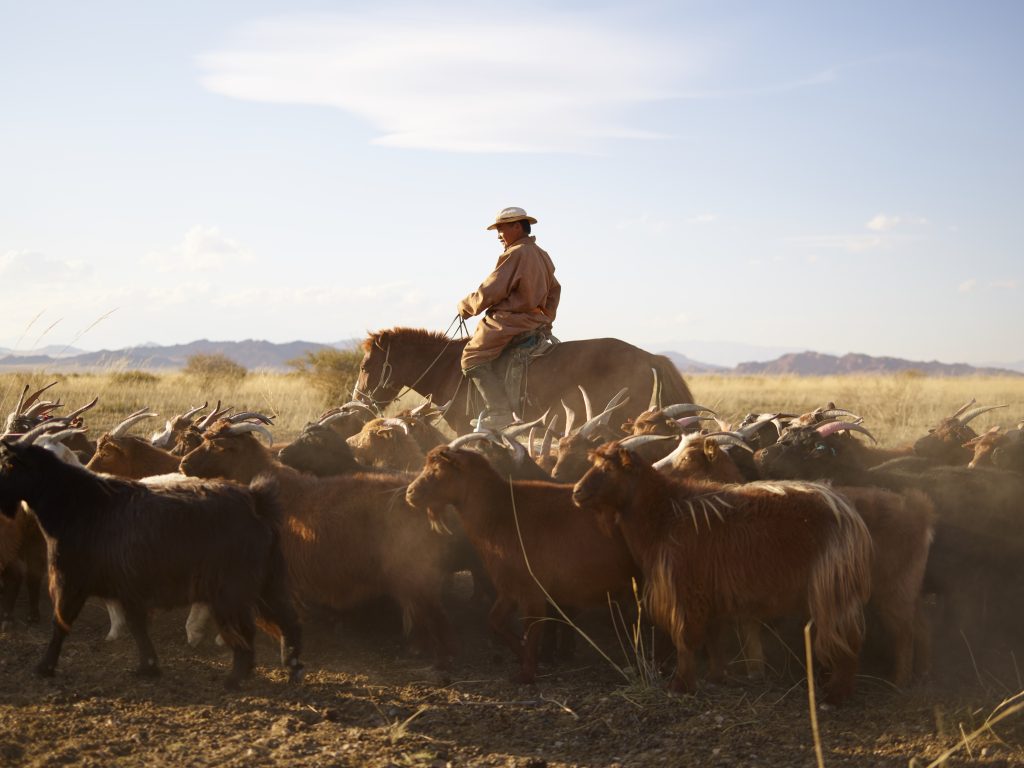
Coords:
296,675
44,670
232,683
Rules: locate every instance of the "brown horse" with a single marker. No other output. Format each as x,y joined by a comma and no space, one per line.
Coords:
428,363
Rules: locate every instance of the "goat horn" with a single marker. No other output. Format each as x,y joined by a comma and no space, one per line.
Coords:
677,410
587,429
130,421
518,429
618,398
248,426
79,411
396,422
518,451
43,406
479,422
529,442
835,413
587,409
655,391
21,401
975,412
549,433
193,411
570,418
689,421
729,438
59,437
355,405
964,407
35,395
635,441
246,415
328,417
41,429
471,437
842,426
211,417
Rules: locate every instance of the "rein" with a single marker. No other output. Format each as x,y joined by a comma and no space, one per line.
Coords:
387,369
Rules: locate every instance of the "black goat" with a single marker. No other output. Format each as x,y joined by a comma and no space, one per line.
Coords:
156,546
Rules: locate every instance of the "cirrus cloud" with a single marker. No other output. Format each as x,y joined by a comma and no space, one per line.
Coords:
441,80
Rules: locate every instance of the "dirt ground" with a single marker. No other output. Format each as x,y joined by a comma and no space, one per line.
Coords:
367,700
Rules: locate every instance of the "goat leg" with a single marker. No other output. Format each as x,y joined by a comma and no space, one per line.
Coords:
137,619
67,605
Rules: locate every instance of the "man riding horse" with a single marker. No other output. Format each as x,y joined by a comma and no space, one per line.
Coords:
520,298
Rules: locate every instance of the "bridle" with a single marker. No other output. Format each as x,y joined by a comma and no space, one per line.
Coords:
386,369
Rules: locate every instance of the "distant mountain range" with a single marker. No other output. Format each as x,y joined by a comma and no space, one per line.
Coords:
818,364
254,354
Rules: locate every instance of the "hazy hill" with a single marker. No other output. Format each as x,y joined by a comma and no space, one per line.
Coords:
687,365
818,364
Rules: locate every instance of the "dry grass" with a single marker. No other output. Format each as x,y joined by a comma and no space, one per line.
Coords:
897,409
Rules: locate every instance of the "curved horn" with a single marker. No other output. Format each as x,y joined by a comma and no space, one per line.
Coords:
35,396
249,426
21,401
529,441
588,429
842,426
689,421
41,429
667,461
59,437
355,405
519,429
549,434
587,409
246,415
964,407
655,391
519,454
131,421
329,417
570,418
729,438
211,417
677,410
43,406
835,413
479,422
635,441
396,422
193,411
975,412
471,437
425,405
79,411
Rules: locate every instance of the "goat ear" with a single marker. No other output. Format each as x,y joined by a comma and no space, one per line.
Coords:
711,450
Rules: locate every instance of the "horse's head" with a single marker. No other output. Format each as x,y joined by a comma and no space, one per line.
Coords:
376,383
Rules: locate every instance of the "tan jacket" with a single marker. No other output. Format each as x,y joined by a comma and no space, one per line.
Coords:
521,294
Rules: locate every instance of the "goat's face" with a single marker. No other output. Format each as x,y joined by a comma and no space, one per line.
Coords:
610,479
704,459
440,480
232,457
385,444
22,468
573,461
802,453
110,457
319,450
945,442
190,439
984,446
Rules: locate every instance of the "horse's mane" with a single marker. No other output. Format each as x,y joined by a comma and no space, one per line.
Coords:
379,337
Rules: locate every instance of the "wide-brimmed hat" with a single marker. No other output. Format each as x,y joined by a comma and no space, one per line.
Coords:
508,215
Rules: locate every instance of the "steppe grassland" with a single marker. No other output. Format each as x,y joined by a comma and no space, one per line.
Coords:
896,408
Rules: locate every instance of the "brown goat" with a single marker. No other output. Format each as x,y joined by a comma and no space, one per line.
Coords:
22,558
758,551
901,527
131,457
387,444
346,539
576,562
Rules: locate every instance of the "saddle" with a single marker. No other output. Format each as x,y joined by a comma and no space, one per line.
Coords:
514,362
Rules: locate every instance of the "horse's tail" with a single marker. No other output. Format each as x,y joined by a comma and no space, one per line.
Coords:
840,581
673,388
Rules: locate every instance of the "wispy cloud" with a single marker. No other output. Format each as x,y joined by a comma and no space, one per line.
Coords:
967,285
31,267
858,243
883,223
444,81
203,249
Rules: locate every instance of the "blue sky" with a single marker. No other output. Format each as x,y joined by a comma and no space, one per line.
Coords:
829,176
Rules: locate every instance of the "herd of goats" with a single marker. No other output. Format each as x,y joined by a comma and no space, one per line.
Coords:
784,516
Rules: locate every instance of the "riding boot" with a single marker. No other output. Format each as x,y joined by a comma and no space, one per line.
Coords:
497,413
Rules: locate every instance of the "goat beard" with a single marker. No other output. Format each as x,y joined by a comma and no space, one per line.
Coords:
437,523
